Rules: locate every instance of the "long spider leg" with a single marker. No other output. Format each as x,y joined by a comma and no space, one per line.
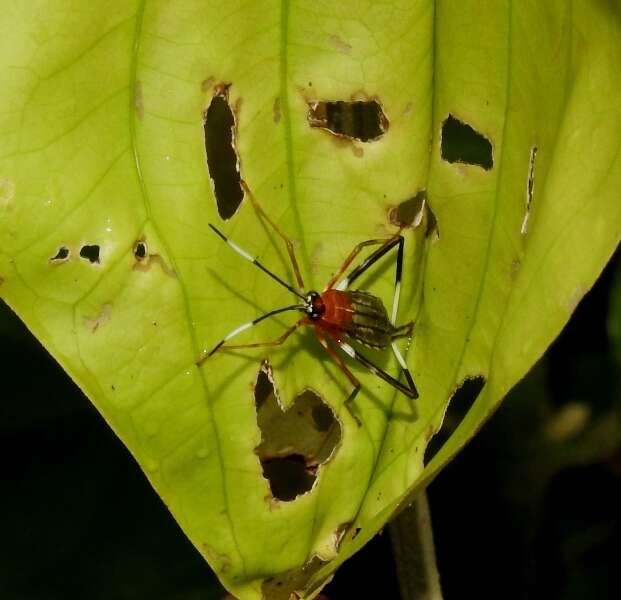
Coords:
398,241
406,371
410,390
371,260
350,258
248,325
254,261
277,342
290,248
408,326
398,273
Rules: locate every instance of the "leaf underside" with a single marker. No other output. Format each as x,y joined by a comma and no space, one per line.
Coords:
103,148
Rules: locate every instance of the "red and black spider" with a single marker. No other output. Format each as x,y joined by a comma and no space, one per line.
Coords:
338,312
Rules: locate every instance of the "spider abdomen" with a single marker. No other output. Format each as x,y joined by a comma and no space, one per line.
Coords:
360,315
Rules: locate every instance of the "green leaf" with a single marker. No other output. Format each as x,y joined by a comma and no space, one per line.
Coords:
101,121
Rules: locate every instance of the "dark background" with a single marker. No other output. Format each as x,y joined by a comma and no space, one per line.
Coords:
531,508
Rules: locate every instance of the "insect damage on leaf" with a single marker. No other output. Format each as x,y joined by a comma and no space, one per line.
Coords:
61,256
145,259
432,230
285,586
410,212
296,442
222,158
339,44
530,189
459,404
93,323
140,250
461,143
144,264
362,120
90,252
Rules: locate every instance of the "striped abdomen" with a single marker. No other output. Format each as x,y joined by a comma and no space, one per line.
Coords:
360,315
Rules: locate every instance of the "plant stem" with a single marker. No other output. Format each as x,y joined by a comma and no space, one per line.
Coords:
415,559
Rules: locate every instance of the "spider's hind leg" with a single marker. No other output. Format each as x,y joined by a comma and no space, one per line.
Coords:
352,379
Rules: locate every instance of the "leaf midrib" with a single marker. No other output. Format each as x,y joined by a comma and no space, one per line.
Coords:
184,292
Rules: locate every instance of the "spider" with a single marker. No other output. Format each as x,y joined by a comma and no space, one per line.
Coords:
338,313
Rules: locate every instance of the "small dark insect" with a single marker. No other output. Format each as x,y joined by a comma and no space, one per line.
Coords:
337,313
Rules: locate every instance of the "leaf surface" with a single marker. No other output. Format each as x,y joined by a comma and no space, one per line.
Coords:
103,145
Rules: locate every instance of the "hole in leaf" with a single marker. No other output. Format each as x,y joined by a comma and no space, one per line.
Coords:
144,264
288,476
459,405
140,250
409,213
414,211
432,229
294,443
322,417
222,159
90,252
530,188
463,144
362,120
61,256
